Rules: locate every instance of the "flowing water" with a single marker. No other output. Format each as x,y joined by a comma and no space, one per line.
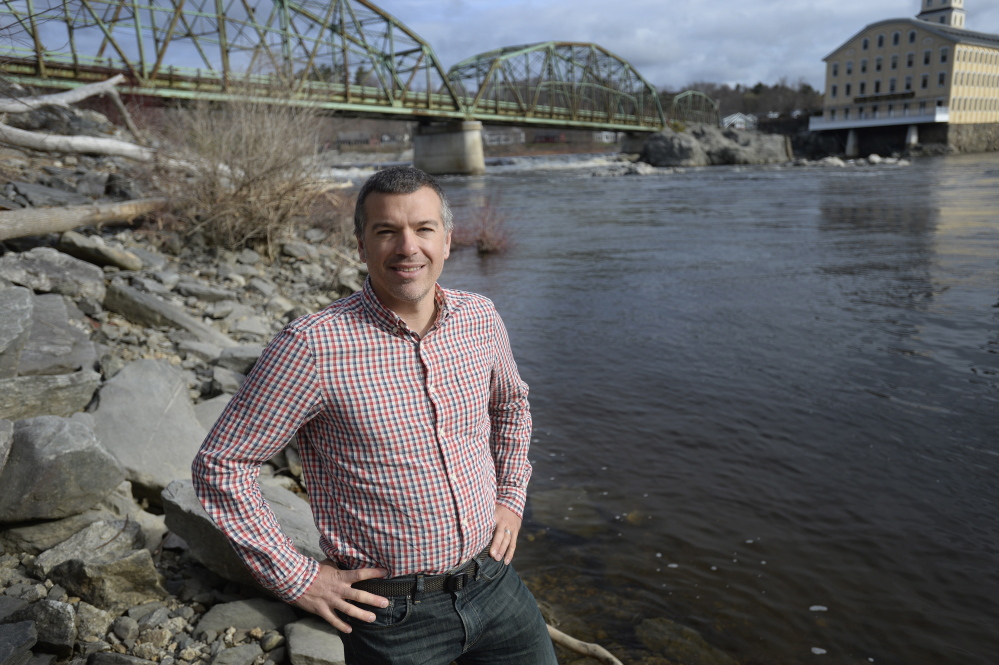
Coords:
766,402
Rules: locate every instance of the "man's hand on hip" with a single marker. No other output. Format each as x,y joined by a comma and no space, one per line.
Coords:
332,589
505,537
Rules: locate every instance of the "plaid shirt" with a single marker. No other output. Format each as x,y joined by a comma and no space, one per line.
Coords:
408,444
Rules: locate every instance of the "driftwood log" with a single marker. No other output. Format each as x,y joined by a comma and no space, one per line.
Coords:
84,144
64,99
36,221
585,648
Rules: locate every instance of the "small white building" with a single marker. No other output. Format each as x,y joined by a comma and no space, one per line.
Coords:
503,135
740,121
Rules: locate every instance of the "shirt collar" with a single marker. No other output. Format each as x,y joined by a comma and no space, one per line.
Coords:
392,322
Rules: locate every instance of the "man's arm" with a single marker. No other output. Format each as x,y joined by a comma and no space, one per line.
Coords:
510,439
279,396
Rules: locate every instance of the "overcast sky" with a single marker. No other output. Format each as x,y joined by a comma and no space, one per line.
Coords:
671,43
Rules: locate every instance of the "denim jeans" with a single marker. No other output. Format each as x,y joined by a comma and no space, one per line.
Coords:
494,620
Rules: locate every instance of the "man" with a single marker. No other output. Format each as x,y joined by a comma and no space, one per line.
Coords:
413,426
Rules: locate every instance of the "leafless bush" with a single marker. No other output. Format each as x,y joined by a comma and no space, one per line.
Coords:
483,227
241,172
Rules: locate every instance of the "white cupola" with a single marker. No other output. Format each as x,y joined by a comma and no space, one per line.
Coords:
944,12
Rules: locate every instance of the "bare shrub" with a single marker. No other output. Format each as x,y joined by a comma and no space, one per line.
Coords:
483,227
241,172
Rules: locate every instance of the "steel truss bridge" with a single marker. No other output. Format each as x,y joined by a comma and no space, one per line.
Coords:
347,56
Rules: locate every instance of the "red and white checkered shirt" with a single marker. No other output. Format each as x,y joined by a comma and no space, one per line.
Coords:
407,444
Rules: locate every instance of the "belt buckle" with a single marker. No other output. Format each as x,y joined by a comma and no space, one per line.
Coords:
456,582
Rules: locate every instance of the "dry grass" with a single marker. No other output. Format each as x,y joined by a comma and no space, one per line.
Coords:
240,173
483,227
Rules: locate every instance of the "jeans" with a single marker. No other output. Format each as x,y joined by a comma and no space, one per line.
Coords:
494,620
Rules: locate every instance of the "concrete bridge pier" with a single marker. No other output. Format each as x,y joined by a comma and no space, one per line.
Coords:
852,145
449,148
911,136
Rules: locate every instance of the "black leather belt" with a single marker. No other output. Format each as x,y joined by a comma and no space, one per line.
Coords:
408,586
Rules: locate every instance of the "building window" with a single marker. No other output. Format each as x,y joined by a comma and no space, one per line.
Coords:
912,36
878,62
905,108
896,38
846,114
849,67
927,54
894,62
910,59
908,83
922,108
863,87
942,79
835,69
863,66
832,92
846,89
860,112
866,44
891,110
832,114
943,54
943,19
881,41
874,111
877,86
929,3
892,84
924,83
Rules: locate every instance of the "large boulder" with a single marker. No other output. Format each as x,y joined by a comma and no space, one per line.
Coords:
312,641
58,395
17,305
246,615
55,346
733,146
45,270
56,468
186,517
669,148
55,624
148,310
145,418
16,640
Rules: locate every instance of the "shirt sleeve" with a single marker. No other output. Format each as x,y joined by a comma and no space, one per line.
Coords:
279,396
510,419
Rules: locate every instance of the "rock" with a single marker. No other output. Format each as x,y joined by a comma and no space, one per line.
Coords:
55,346
41,196
111,658
271,640
45,270
10,605
59,395
91,621
6,438
55,624
93,249
252,325
201,350
244,654
145,418
16,640
668,148
832,161
56,468
114,584
312,641
874,159
125,628
226,381
732,146
248,257
240,358
210,410
278,306
92,184
203,291
17,305
246,615
150,260
148,310
187,518
679,644
101,541
121,188
299,250
262,286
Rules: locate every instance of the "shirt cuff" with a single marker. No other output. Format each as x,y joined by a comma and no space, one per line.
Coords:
300,581
513,498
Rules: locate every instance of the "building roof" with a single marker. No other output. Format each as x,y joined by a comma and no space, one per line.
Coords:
956,35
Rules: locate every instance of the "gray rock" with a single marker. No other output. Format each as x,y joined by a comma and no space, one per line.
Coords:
167,278
271,640
59,395
668,148
16,640
145,418
42,196
101,541
252,325
92,184
9,605
56,468
149,286
733,146
312,641
93,249
210,410
155,619
246,615
679,644
279,306
150,260
55,624
112,658
226,381
187,518
17,305
91,621
55,346
299,250
201,350
240,358
244,654
248,257
262,286
6,438
45,270
112,584
203,291
148,310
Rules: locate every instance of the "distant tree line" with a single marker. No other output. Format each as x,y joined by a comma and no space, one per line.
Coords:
782,97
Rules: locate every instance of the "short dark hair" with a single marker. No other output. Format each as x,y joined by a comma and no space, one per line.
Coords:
399,180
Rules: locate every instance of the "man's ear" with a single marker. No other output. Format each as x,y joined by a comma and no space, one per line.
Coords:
360,248
447,245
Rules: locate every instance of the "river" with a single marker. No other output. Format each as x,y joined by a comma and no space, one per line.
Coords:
765,402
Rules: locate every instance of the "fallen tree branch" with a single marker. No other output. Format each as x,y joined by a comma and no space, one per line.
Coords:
85,144
22,104
585,648
36,221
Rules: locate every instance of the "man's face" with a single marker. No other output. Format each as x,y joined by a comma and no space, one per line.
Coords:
404,245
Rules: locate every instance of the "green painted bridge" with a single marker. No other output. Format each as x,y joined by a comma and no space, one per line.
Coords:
348,56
